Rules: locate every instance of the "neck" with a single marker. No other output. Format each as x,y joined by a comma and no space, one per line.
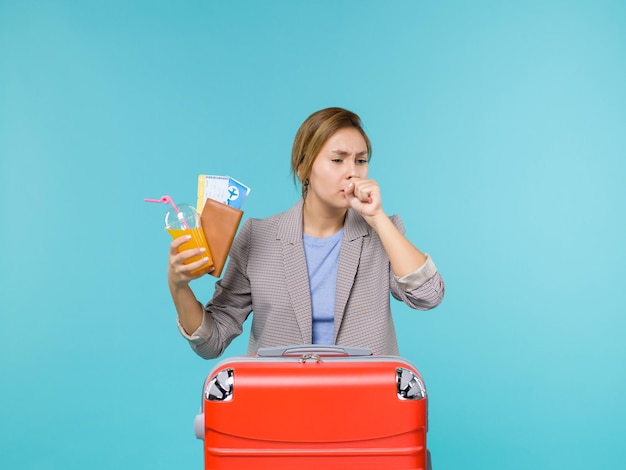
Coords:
321,223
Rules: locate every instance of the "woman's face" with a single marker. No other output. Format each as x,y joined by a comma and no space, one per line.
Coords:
343,157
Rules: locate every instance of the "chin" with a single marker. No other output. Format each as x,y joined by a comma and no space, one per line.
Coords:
343,204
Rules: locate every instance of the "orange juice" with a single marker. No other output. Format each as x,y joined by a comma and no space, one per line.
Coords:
197,241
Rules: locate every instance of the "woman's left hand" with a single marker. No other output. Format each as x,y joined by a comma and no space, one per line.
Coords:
364,197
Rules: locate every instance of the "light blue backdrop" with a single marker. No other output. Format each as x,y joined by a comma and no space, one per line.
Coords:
499,135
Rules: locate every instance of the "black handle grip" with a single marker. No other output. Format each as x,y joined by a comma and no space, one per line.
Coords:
317,349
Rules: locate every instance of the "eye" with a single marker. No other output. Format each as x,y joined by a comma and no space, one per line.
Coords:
362,161
336,160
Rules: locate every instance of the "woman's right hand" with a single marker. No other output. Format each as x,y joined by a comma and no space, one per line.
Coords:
180,274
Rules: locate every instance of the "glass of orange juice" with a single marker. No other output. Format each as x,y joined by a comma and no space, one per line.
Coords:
186,221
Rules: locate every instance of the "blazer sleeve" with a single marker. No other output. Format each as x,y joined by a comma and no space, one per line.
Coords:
230,306
422,289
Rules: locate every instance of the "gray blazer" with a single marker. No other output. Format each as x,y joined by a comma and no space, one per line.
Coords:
267,275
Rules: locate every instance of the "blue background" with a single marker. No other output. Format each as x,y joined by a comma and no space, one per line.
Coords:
499,135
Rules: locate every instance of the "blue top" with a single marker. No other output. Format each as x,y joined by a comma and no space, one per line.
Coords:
322,258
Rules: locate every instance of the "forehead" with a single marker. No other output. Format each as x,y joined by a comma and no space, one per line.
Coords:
347,140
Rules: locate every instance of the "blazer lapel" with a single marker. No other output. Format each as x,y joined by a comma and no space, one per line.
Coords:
294,260
355,228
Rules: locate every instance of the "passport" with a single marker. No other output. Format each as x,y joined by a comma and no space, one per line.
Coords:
219,203
219,223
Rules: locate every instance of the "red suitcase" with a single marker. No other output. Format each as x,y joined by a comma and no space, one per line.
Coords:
313,407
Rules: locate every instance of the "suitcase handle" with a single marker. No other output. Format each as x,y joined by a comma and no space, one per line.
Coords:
313,349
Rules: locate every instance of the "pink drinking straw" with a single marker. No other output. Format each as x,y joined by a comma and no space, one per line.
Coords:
168,200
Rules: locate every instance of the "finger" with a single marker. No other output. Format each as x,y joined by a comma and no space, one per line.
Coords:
349,190
197,266
178,260
364,192
178,242
191,252
191,271
369,189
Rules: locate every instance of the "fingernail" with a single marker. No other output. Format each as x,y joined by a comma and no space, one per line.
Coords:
202,249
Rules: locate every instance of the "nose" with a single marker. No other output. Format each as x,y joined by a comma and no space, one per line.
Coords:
351,171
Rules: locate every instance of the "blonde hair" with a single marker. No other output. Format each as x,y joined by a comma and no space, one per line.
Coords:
313,134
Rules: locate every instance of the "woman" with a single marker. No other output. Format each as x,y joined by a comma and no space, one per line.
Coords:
320,272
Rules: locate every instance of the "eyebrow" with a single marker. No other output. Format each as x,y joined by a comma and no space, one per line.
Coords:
344,153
